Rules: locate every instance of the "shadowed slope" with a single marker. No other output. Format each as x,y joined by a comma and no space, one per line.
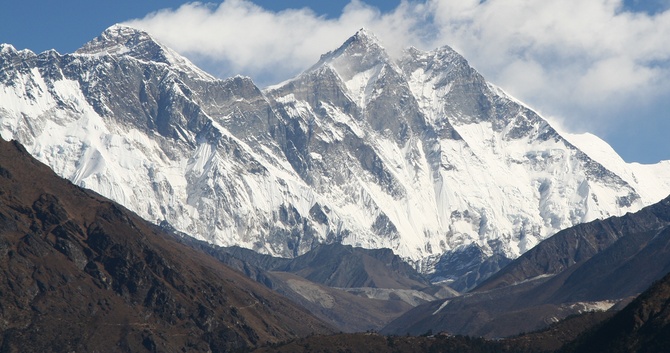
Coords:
587,267
642,326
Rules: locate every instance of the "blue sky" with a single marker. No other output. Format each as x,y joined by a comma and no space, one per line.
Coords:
65,25
601,66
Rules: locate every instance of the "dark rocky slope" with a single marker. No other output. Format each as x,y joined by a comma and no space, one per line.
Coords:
347,311
578,244
333,265
642,326
373,342
353,289
344,266
80,273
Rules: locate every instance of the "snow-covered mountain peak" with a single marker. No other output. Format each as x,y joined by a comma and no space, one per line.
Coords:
123,40
365,36
7,48
119,40
446,84
362,42
362,64
442,55
359,53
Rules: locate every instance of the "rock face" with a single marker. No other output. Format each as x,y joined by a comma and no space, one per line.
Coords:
591,266
420,154
81,273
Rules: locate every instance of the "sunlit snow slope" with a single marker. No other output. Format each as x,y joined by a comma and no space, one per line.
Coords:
420,155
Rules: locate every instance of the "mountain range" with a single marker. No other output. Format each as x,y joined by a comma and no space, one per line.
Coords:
369,190
418,154
595,266
352,289
82,273
642,326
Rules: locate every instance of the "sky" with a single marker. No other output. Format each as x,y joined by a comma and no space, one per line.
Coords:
599,66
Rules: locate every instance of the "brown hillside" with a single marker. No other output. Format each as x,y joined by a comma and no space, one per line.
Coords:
80,273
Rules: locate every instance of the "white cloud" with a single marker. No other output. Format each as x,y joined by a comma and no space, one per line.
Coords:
242,37
583,54
569,58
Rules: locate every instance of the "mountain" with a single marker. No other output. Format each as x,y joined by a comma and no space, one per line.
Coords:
641,326
345,310
81,273
352,289
346,267
621,236
418,154
593,266
333,265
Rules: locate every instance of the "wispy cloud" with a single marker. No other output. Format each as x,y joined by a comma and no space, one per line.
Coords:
571,58
569,55
240,37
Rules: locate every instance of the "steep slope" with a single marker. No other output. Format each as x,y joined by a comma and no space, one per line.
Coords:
346,267
419,155
591,266
642,326
582,242
345,311
438,160
650,180
80,273
531,181
353,289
